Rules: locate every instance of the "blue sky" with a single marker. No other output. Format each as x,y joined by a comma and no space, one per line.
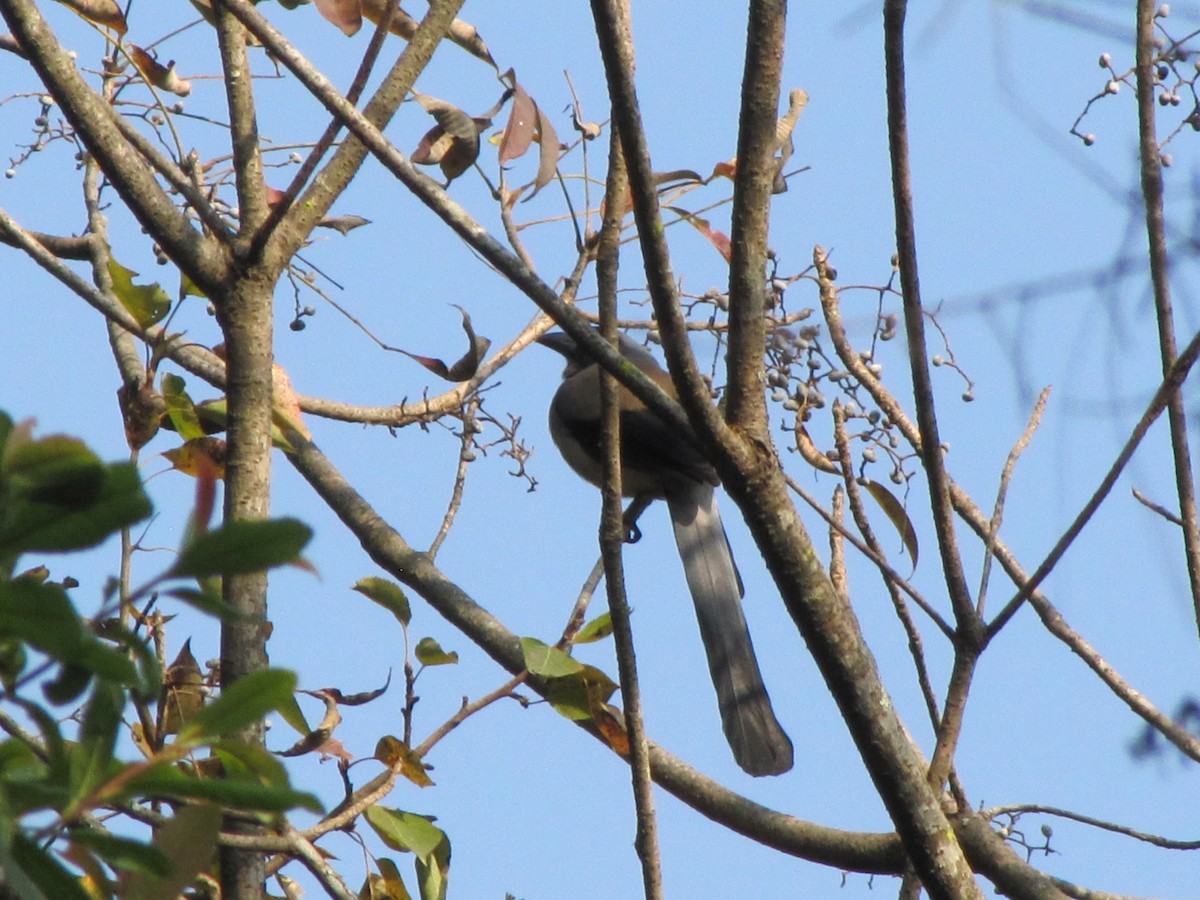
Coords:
1017,225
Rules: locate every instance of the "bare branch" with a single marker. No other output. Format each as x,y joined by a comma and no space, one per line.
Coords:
1152,195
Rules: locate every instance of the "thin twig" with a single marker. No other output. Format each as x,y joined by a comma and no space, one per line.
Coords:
1156,507
1018,809
1006,473
915,644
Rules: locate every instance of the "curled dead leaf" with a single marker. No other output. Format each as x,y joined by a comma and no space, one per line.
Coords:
467,365
142,409
811,455
453,144
162,77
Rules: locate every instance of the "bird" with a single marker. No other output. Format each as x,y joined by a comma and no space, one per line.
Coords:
660,463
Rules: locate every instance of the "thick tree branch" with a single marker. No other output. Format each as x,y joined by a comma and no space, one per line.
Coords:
756,170
243,129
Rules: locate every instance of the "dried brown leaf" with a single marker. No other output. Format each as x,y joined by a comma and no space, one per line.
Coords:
344,224
162,77
405,26
454,143
548,158
813,456
143,410
467,365
347,15
522,122
102,12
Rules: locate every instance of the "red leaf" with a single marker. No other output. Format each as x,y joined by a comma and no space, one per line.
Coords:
717,238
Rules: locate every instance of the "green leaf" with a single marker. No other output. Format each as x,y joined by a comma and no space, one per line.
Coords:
430,653
207,601
92,757
596,630
42,616
294,715
405,831
187,841
387,594
188,288
248,762
123,853
242,547
549,662
895,512
433,874
32,524
242,703
576,696
39,866
147,303
68,685
54,469
180,408
166,781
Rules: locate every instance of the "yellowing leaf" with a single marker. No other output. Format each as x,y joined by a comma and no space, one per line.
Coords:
199,456
395,754
182,411
810,453
430,653
595,630
897,515
387,594
285,405
147,303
